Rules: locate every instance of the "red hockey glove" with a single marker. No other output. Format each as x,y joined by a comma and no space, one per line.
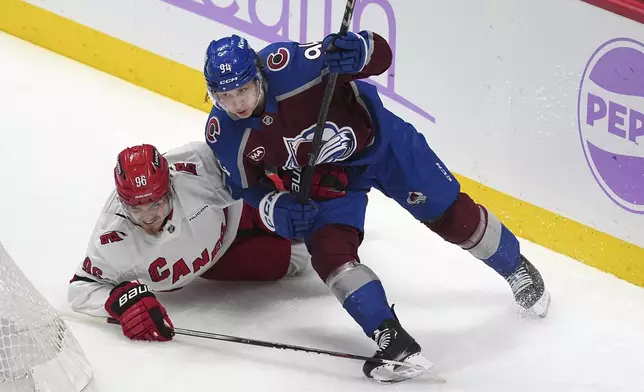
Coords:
142,317
329,182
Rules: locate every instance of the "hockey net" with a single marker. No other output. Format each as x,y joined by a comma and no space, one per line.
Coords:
37,350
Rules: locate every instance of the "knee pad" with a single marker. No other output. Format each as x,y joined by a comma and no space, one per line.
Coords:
470,226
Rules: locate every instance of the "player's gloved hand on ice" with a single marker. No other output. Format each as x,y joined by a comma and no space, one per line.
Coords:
329,182
348,55
142,317
282,213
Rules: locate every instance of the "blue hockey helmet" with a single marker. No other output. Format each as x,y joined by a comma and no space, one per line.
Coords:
229,64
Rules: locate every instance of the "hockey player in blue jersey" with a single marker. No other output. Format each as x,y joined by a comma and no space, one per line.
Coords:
265,110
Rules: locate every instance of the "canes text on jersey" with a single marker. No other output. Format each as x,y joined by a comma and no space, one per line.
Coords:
158,271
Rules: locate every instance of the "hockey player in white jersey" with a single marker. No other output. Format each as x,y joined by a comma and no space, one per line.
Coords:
169,221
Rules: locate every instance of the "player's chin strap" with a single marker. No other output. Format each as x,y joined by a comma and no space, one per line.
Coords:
260,81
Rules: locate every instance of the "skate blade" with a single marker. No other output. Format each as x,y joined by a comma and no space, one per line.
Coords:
540,308
391,374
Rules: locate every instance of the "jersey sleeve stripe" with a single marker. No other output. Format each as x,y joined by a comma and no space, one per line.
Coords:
303,87
77,278
240,158
370,44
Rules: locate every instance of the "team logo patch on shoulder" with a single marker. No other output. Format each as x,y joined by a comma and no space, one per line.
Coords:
112,236
277,61
213,129
257,154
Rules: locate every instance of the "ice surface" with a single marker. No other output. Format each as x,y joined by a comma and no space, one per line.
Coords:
63,123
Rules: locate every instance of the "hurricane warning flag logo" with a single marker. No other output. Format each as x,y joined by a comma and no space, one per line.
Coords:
611,120
337,144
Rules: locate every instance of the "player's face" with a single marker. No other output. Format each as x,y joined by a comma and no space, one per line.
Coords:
241,101
151,216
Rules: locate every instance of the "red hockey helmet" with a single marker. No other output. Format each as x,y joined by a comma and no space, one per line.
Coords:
141,175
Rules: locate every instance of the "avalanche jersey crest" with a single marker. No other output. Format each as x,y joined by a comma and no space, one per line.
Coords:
338,144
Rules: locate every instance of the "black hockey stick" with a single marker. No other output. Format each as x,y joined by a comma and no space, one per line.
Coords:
307,172
265,344
282,346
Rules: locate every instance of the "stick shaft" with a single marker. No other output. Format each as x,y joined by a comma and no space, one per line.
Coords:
281,346
316,144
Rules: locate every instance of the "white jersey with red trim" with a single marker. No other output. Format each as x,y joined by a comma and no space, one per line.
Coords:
201,227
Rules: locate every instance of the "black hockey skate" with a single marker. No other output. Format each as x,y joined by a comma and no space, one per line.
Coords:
529,290
394,343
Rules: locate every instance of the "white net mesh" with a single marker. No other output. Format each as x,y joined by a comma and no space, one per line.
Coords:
38,353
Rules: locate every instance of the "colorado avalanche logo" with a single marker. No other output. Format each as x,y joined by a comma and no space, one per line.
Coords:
337,144
213,129
415,198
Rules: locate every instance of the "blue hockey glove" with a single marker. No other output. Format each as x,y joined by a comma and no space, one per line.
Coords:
349,55
282,213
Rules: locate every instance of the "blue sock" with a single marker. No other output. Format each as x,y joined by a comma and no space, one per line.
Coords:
368,306
507,257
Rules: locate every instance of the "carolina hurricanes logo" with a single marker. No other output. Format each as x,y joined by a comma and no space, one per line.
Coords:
279,60
257,154
338,144
213,130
